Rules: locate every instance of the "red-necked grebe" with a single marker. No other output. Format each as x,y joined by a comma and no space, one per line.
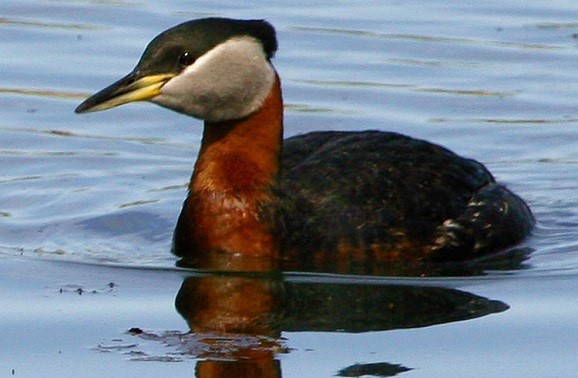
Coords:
322,195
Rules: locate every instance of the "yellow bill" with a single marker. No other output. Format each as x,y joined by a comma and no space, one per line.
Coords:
128,89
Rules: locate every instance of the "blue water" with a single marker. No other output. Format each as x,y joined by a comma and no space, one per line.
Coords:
496,81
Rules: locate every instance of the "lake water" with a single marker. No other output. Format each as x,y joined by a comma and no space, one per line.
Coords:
86,201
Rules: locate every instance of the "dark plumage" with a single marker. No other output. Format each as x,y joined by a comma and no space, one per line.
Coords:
197,37
378,188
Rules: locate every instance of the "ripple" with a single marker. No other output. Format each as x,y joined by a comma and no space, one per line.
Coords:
428,38
508,121
557,25
351,84
375,85
304,108
136,203
70,134
49,93
46,25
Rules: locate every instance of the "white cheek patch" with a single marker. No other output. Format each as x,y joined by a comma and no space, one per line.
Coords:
230,81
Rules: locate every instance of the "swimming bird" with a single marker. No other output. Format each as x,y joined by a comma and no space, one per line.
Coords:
327,196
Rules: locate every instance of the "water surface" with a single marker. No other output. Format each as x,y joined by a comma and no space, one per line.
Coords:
496,81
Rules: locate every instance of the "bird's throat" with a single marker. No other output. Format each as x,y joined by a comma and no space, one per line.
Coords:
231,185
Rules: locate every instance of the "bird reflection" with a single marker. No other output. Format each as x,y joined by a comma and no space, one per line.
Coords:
240,312
237,310
243,297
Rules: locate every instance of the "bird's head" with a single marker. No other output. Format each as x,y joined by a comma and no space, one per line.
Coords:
214,69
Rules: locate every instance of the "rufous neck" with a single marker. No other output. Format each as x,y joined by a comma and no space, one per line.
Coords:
242,155
231,186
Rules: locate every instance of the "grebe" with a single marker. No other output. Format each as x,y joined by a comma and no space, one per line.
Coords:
322,196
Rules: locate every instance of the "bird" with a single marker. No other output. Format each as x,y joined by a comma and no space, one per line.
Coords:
324,197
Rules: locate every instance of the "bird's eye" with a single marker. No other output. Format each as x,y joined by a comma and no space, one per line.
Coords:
186,59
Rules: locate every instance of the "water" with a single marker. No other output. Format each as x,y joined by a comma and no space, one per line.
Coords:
495,81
